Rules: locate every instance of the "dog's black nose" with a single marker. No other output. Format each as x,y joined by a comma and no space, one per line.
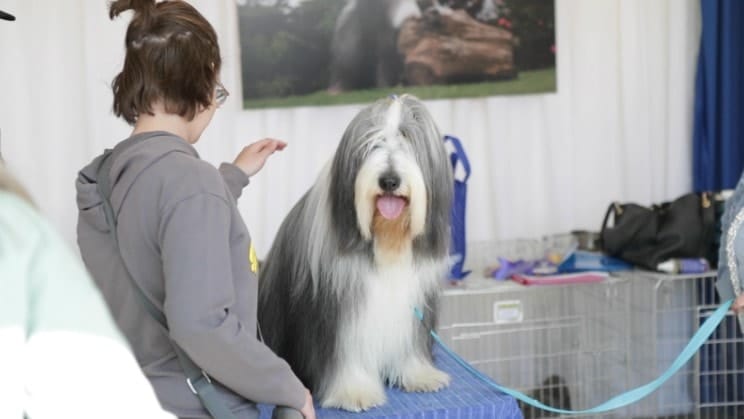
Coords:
389,182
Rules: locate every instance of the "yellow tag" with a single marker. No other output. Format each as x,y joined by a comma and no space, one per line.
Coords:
253,259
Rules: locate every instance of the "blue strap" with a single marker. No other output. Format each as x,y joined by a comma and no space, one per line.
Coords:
624,399
459,155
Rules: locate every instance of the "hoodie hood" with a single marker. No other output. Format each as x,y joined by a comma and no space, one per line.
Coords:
133,156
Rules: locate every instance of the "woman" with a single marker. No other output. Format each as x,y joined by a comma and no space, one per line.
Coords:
180,235
731,253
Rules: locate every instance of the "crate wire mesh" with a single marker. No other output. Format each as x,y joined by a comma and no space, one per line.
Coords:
666,310
575,346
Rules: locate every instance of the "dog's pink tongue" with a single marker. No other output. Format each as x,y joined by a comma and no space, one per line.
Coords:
390,206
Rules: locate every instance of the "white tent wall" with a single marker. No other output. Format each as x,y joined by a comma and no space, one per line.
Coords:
618,127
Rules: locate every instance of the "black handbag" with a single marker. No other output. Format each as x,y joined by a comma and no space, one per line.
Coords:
643,236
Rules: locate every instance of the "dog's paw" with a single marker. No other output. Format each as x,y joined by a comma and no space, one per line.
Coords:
424,378
355,398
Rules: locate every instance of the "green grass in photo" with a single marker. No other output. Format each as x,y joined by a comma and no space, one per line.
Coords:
527,82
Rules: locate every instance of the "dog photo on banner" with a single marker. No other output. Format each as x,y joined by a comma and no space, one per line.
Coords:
323,52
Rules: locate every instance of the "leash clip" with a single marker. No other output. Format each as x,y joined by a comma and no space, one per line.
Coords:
191,386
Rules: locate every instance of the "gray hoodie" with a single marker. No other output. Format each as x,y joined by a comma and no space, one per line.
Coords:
185,243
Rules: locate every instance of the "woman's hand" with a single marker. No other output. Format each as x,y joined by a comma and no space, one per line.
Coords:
252,158
308,410
738,305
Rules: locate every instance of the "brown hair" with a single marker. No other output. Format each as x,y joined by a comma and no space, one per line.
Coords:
10,184
171,55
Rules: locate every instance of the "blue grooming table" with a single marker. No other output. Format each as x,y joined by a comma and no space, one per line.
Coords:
466,397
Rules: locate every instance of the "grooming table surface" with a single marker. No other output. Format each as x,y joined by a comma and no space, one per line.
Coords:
466,397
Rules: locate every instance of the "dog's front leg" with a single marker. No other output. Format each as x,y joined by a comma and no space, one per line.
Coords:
355,389
418,374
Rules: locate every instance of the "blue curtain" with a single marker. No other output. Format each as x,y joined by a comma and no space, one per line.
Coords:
718,134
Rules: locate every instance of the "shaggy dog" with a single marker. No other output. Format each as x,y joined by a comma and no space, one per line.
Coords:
363,247
364,48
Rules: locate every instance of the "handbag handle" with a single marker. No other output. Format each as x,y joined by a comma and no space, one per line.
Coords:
618,211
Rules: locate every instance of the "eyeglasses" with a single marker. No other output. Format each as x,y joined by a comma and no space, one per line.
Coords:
220,94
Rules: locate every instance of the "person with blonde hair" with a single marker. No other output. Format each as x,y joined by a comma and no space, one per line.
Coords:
61,354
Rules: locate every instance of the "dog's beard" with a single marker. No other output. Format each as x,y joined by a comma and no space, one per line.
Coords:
392,237
378,212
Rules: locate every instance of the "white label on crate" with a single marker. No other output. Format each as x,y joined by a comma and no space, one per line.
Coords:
509,311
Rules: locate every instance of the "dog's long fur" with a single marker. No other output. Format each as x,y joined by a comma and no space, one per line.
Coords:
364,48
339,286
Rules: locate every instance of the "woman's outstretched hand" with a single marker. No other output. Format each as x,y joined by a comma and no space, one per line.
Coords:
253,157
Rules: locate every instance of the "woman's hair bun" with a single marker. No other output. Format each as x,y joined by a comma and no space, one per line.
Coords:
140,7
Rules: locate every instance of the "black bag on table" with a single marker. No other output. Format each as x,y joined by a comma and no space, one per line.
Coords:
643,236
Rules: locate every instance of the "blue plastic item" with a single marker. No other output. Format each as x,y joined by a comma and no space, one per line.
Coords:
457,217
581,261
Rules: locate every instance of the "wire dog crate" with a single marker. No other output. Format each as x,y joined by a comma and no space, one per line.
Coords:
576,346
666,310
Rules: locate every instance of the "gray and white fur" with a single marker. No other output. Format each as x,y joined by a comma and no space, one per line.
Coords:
364,48
336,296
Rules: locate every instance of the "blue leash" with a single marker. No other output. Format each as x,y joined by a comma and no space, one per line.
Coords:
624,399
